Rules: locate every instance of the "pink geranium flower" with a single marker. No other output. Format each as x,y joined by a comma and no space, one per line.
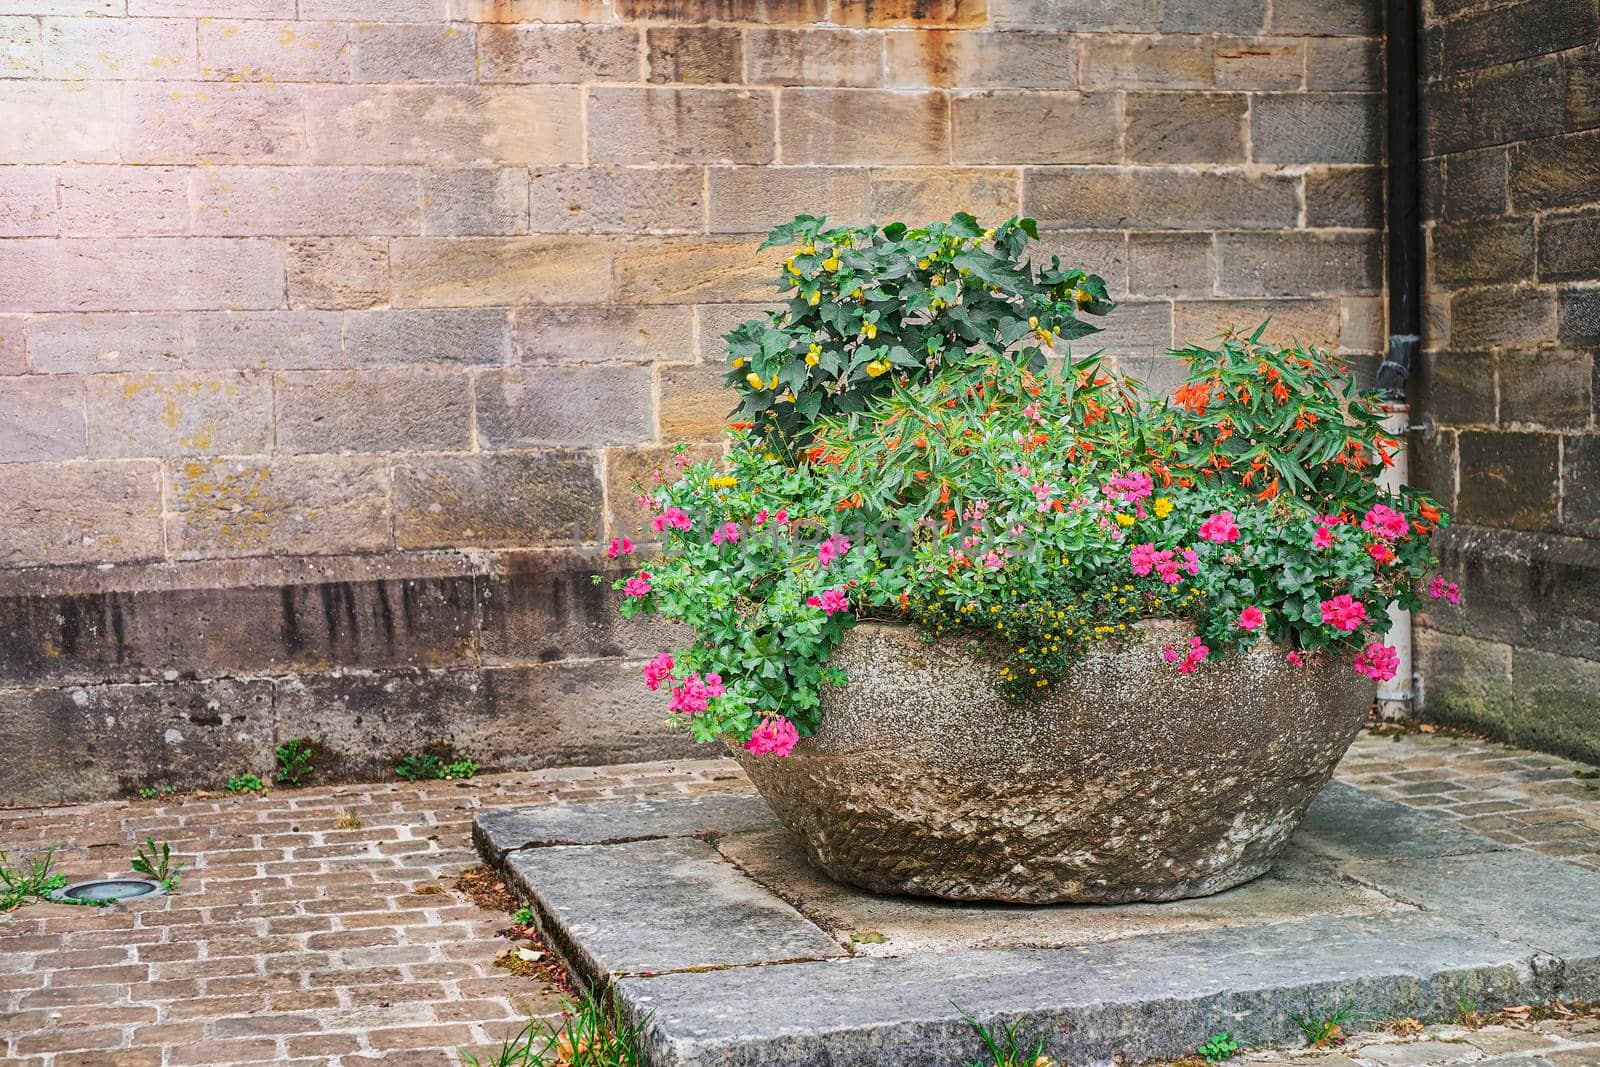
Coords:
694,695
831,601
1344,612
1142,558
833,548
775,737
1294,659
1198,651
1377,661
1220,529
657,671
620,546
1441,589
782,515
1386,522
726,534
1132,486
1251,618
638,585
1323,538
670,519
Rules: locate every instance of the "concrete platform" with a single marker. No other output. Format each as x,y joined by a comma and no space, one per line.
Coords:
705,914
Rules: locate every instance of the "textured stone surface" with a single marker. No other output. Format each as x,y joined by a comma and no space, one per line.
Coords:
1116,787
502,830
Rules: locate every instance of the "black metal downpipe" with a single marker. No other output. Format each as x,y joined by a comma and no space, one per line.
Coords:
1402,208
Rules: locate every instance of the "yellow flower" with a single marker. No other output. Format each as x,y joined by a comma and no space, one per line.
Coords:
856,293
813,354
738,361
831,263
1082,297
1033,322
869,330
922,263
724,481
936,304
774,383
754,379
1124,519
786,398
1163,507
877,367
814,299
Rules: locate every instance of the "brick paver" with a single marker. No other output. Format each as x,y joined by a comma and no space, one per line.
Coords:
298,937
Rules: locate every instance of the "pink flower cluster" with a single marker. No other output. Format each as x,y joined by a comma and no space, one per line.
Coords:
1324,537
1198,651
638,585
620,546
657,671
775,737
1377,661
1133,486
694,695
1294,659
727,533
1220,529
831,601
1344,612
670,519
1168,562
1386,522
1441,589
1251,618
761,516
833,548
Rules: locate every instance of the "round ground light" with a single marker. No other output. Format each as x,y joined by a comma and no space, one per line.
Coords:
104,889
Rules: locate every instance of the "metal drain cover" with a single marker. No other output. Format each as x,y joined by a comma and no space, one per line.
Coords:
103,889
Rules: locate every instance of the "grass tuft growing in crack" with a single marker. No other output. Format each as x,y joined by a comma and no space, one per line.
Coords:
29,880
590,1033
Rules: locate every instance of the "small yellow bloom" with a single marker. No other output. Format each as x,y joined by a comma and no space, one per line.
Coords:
1124,519
738,361
831,263
1163,507
1033,322
724,481
814,299
813,354
878,367
1082,297
754,379
869,330
856,293
922,263
774,383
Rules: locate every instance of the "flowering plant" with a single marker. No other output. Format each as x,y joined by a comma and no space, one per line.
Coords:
1039,507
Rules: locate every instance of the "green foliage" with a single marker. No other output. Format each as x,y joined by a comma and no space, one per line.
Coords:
156,863
870,308
28,880
424,766
246,783
523,916
1218,1047
1002,1046
151,792
1324,1031
590,1033
296,760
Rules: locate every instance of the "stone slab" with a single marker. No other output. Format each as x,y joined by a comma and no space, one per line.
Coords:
1348,823
1301,885
502,830
698,909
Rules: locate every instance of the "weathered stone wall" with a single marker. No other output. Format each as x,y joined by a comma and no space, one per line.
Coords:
317,316
1512,187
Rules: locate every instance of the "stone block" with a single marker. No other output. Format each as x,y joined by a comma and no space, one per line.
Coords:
140,274
335,272
1345,63
255,50
413,52
241,9
948,58
660,125
1185,127
697,55
1037,126
1508,479
814,57
1259,63
755,199
1475,184
564,406
41,419
833,126
1456,387
635,472
605,335
1549,389
277,340
478,201
172,414
279,505
87,344
422,10
502,830
13,344
444,335
1482,318
1433,464
757,11
1207,16
1553,701
1170,264
1569,248
1159,198
1361,322
35,132
915,195
1558,172
1315,128
687,270
1128,16
1314,322
1137,328
20,52
510,499
912,14
79,513
1578,317
611,199
1482,252
1580,70
1345,196
1161,62
695,403
444,126
479,271
570,54
27,202
716,321
109,740
306,201
1492,107
1360,18
1097,252
1510,577
1580,486
119,49
123,201
1298,264
208,122
1465,680
372,410
1515,32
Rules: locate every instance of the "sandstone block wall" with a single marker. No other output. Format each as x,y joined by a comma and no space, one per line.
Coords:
339,328
1512,181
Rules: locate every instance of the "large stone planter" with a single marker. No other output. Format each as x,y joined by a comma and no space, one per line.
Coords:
1127,782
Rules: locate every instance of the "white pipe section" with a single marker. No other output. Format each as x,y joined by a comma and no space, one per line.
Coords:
1395,695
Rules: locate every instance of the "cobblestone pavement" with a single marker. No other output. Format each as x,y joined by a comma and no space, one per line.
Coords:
299,937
